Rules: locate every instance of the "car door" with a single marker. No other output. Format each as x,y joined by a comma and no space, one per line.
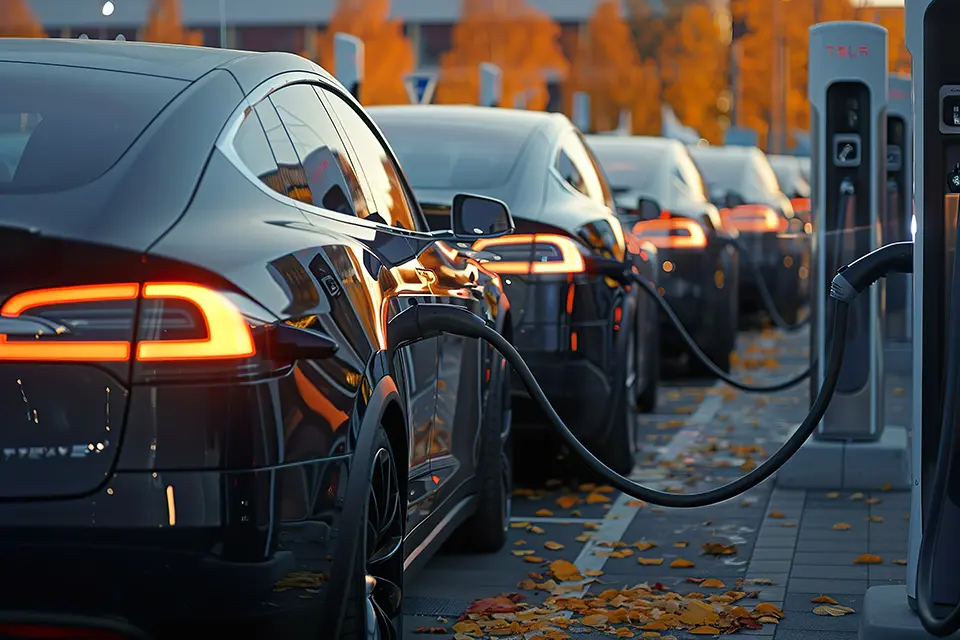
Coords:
454,444
332,186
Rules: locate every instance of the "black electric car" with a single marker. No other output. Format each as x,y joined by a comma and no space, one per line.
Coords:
207,428
789,172
587,338
660,198
769,228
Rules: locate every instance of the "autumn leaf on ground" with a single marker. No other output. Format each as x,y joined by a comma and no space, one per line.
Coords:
467,626
604,488
643,545
519,525
595,620
775,514
569,501
584,537
875,519
868,558
520,543
636,503
748,465
503,603
833,495
553,546
544,513
856,496
533,559
657,510
535,529
717,549
705,631
593,573
681,544
565,571
587,486
650,561
680,563
886,486
766,582
789,524
832,610
873,500
712,583
523,552
596,498
767,609
824,600
841,526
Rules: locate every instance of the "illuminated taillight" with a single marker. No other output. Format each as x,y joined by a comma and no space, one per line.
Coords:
800,204
539,253
753,218
95,323
672,233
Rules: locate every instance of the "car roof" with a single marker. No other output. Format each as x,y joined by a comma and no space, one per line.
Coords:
518,120
171,61
729,151
647,142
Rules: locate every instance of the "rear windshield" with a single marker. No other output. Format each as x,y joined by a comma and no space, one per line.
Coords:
442,156
62,127
629,167
721,170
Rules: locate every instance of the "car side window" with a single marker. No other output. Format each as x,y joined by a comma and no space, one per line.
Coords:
384,179
577,155
605,192
568,171
328,179
253,149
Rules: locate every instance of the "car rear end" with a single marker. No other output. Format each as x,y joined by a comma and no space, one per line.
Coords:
780,248
138,394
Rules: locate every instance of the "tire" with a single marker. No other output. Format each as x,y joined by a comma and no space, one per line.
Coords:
486,530
647,399
374,612
618,449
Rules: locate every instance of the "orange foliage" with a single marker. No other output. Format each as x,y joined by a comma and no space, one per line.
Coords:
17,20
757,58
696,71
388,54
164,25
607,66
892,18
523,41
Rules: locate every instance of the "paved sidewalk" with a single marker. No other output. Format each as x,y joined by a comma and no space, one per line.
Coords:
770,547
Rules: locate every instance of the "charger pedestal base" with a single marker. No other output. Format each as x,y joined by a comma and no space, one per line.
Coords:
834,465
887,616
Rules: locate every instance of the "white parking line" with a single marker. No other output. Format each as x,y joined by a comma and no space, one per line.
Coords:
569,520
621,514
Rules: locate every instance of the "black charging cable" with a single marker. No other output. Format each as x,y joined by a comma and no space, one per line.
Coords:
422,321
768,302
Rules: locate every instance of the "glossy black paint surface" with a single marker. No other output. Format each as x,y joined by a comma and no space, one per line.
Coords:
571,328
214,480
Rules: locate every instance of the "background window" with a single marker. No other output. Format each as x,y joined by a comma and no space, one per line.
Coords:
386,185
332,182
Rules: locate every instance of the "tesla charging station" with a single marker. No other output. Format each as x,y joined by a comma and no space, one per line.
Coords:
898,316
348,62
491,85
931,29
848,85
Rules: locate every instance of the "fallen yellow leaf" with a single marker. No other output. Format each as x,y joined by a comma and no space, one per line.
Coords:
886,486
856,496
776,514
593,573
584,537
868,558
875,519
681,544
522,552
568,501
768,609
873,500
841,526
544,513
636,503
705,631
644,545
596,498
832,610
712,583
654,626
595,620
553,546
680,563
824,600
833,495
565,571
535,529
650,561
533,559
519,525
748,465
467,626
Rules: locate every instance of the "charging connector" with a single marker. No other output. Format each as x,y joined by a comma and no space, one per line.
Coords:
422,321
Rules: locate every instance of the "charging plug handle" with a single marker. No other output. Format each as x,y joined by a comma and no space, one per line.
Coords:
854,278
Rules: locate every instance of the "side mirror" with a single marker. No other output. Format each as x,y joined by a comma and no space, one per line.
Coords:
732,200
473,217
648,209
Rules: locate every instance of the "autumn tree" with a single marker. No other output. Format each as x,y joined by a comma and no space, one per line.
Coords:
757,74
697,72
165,25
18,21
388,54
607,66
521,40
891,18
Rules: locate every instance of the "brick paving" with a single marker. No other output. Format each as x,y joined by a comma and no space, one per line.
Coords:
704,435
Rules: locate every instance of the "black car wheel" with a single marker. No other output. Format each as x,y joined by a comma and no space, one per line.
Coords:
374,611
617,450
486,530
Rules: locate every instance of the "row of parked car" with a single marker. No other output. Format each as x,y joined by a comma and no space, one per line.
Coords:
205,251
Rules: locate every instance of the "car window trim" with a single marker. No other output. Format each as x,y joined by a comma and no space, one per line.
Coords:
225,145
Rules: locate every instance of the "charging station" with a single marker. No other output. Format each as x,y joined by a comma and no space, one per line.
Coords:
348,62
898,311
848,89
931,29
491,85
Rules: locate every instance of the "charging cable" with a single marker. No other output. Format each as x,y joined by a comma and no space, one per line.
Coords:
422,321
